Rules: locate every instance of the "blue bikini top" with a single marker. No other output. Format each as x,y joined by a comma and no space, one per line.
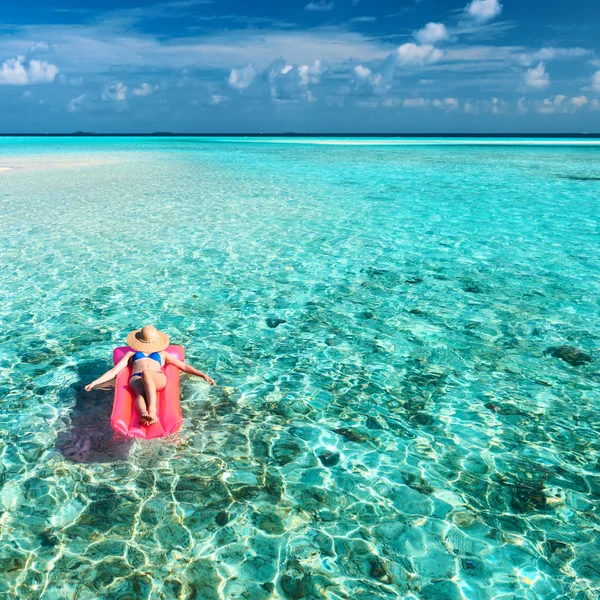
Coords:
153,355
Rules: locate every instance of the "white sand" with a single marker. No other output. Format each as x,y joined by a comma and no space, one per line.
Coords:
40,163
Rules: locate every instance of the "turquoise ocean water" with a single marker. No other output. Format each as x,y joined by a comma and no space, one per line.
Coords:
393,418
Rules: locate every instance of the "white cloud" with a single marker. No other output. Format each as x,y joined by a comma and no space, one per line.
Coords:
522,106
537,77
409,54
414,54
366,79
75,104
579,101
425,81
27,94
494,106
551,53
363,20
39,47
41,71
112,46
310,74
362,72
321,6
483,10
217,99
75,81
240,79
432,33
116,92
551,105
446,103
596,81
595,104
15,72
95,49
415,103
145,89
290,84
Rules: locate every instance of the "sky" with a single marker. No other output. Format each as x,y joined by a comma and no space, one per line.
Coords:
306,66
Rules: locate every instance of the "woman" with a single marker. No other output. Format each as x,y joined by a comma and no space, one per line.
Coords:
147,359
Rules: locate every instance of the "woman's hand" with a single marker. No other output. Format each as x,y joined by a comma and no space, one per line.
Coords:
90,386
208,379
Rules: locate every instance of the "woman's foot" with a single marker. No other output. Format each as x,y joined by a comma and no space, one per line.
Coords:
152,419
145,418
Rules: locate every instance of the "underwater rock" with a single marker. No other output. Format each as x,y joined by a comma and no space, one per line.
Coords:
373,423
174,587
273,323
112,568
554,546
137,585
441,590
273,485
570,354
366,315
559,549
222,518
379,571
505,409
135,557
296,587
285,451
244,492
329,459
202,580
525,498
48,539
374,271
351,435
473,289
269,586
10,564
463,519
416,311
418,483
269,523
472,567
414,280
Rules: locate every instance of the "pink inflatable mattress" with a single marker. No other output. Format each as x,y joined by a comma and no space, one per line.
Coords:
125,419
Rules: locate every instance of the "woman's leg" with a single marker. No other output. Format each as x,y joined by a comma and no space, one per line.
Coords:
153,383
137,388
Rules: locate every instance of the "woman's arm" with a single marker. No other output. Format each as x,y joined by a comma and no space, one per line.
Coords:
172,360
111,373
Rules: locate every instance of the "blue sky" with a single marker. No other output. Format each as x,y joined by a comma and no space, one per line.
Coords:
301,65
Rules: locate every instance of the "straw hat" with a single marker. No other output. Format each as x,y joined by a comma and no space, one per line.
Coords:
148,339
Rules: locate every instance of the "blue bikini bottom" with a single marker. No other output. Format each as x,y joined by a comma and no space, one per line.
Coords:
135,374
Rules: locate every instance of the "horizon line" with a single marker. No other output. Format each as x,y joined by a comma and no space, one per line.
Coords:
305,135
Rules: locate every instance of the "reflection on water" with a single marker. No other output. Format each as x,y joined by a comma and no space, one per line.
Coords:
406,345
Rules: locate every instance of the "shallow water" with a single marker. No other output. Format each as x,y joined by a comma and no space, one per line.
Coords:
390,420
